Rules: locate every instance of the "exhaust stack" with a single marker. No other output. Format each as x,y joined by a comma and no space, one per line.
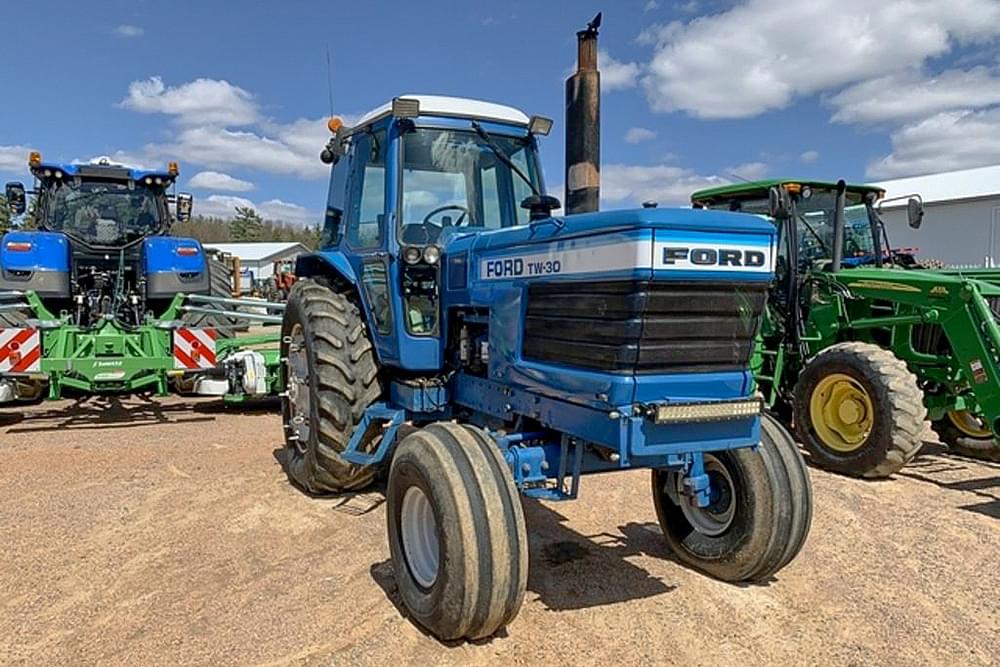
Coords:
583,125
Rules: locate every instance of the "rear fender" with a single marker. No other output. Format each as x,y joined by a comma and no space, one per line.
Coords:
333,267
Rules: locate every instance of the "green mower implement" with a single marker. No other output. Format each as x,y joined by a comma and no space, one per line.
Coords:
862,344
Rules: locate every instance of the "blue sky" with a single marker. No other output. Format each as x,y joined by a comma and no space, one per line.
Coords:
696,92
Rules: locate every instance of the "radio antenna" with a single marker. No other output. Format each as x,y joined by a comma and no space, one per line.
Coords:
329,78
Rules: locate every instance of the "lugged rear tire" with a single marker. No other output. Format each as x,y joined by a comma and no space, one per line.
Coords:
220,285
456,532
760,518
957,436
885,401
331,377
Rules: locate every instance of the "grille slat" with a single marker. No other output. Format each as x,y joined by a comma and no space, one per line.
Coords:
643,326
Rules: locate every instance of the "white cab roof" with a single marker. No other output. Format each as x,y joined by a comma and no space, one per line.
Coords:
438,105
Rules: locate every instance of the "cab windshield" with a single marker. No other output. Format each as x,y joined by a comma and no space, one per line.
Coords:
102,212
452,179
816,209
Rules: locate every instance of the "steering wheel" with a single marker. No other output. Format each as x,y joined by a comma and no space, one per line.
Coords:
447,207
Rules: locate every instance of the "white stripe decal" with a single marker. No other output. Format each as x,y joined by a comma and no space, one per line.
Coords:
684,254
584,259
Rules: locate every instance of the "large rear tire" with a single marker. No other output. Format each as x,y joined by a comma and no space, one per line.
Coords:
966,434
221,285
331,377
760,513
456,532
858,411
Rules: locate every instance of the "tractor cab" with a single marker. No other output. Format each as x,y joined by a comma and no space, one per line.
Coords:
408,177
100,205
818,210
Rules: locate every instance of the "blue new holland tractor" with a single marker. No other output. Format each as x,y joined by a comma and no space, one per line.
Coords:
100,298
456,334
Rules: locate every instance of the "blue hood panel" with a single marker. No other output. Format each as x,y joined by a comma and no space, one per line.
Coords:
49,251
163,254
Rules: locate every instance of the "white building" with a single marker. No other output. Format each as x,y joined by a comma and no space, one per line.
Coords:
257,259
961,216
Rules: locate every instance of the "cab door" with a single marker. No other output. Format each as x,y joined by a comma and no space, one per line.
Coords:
365,235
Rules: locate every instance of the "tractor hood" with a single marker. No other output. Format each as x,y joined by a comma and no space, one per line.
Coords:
642,244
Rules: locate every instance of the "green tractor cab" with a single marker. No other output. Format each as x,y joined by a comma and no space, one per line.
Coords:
862,343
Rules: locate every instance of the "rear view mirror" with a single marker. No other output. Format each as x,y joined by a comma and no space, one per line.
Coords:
184,204
16,197
779,203
914,212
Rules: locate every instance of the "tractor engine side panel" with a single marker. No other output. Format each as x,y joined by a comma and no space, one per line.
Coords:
173,265
38,261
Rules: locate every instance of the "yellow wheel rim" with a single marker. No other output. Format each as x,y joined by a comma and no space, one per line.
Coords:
842,413
970,424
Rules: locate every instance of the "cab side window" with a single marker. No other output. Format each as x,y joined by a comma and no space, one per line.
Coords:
366,215
335,204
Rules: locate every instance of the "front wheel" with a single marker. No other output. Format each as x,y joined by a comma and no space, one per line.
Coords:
858,411
456,532
968,434
760,511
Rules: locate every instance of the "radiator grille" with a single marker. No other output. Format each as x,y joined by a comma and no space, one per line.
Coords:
643,326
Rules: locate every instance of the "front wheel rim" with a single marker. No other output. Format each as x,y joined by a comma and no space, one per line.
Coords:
970,424
418,530
717,517
842,412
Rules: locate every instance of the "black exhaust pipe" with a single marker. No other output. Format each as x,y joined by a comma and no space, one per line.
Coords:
583,125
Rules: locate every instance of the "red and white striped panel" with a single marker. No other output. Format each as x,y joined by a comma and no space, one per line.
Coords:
194,349
20,351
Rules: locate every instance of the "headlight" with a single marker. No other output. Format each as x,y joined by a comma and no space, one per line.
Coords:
715,411
411,254
432,254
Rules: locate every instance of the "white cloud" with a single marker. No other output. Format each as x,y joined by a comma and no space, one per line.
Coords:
224,206
760,56
199,102
749,171
220,126
616,75
216,180
650,6
637,135
808,157
668,185
218,148
912,94
14,159
946,141
129,31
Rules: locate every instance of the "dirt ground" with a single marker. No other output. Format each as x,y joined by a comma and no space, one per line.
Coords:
165,533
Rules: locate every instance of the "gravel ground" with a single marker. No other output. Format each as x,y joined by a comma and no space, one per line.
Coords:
164,533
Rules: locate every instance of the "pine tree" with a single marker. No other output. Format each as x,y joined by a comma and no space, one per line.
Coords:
247,225
4,215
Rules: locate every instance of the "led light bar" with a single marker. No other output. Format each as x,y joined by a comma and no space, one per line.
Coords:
676,413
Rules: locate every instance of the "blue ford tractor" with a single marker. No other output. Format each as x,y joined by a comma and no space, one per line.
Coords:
454,333
100,298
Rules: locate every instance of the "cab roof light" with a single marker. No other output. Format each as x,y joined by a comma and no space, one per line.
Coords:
173,168
34,159
403,107
793,188
540,125
334,124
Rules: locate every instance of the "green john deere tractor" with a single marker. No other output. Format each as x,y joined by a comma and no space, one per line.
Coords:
862,344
